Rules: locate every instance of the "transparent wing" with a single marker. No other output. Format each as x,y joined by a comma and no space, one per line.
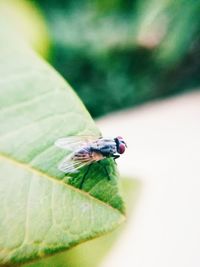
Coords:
75,142
69,165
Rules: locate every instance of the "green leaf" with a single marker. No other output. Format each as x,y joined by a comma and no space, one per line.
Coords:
97,251
41,210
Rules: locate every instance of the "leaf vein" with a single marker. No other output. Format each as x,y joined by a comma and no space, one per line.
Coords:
30,169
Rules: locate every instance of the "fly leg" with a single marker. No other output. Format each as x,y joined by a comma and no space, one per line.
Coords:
84,176
115,157
105,169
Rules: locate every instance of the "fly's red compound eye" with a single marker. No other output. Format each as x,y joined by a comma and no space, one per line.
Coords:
121,148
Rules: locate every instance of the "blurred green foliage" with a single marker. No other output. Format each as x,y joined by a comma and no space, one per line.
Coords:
120,53
116,53
26,19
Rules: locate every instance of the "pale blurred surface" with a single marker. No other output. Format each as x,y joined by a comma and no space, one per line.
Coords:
164,154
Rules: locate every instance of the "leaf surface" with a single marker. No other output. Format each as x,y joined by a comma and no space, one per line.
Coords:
41,209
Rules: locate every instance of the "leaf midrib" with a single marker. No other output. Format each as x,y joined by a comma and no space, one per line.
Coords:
29,168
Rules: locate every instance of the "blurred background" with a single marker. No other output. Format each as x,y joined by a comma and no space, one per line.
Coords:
144,57
115,53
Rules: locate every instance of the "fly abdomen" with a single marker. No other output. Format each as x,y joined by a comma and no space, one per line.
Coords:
83,154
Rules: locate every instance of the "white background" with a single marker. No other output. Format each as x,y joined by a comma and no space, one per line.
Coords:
164,154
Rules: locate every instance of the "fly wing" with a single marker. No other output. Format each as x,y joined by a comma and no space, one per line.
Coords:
69,165
74,142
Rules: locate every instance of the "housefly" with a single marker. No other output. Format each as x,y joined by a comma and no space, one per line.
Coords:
86,150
